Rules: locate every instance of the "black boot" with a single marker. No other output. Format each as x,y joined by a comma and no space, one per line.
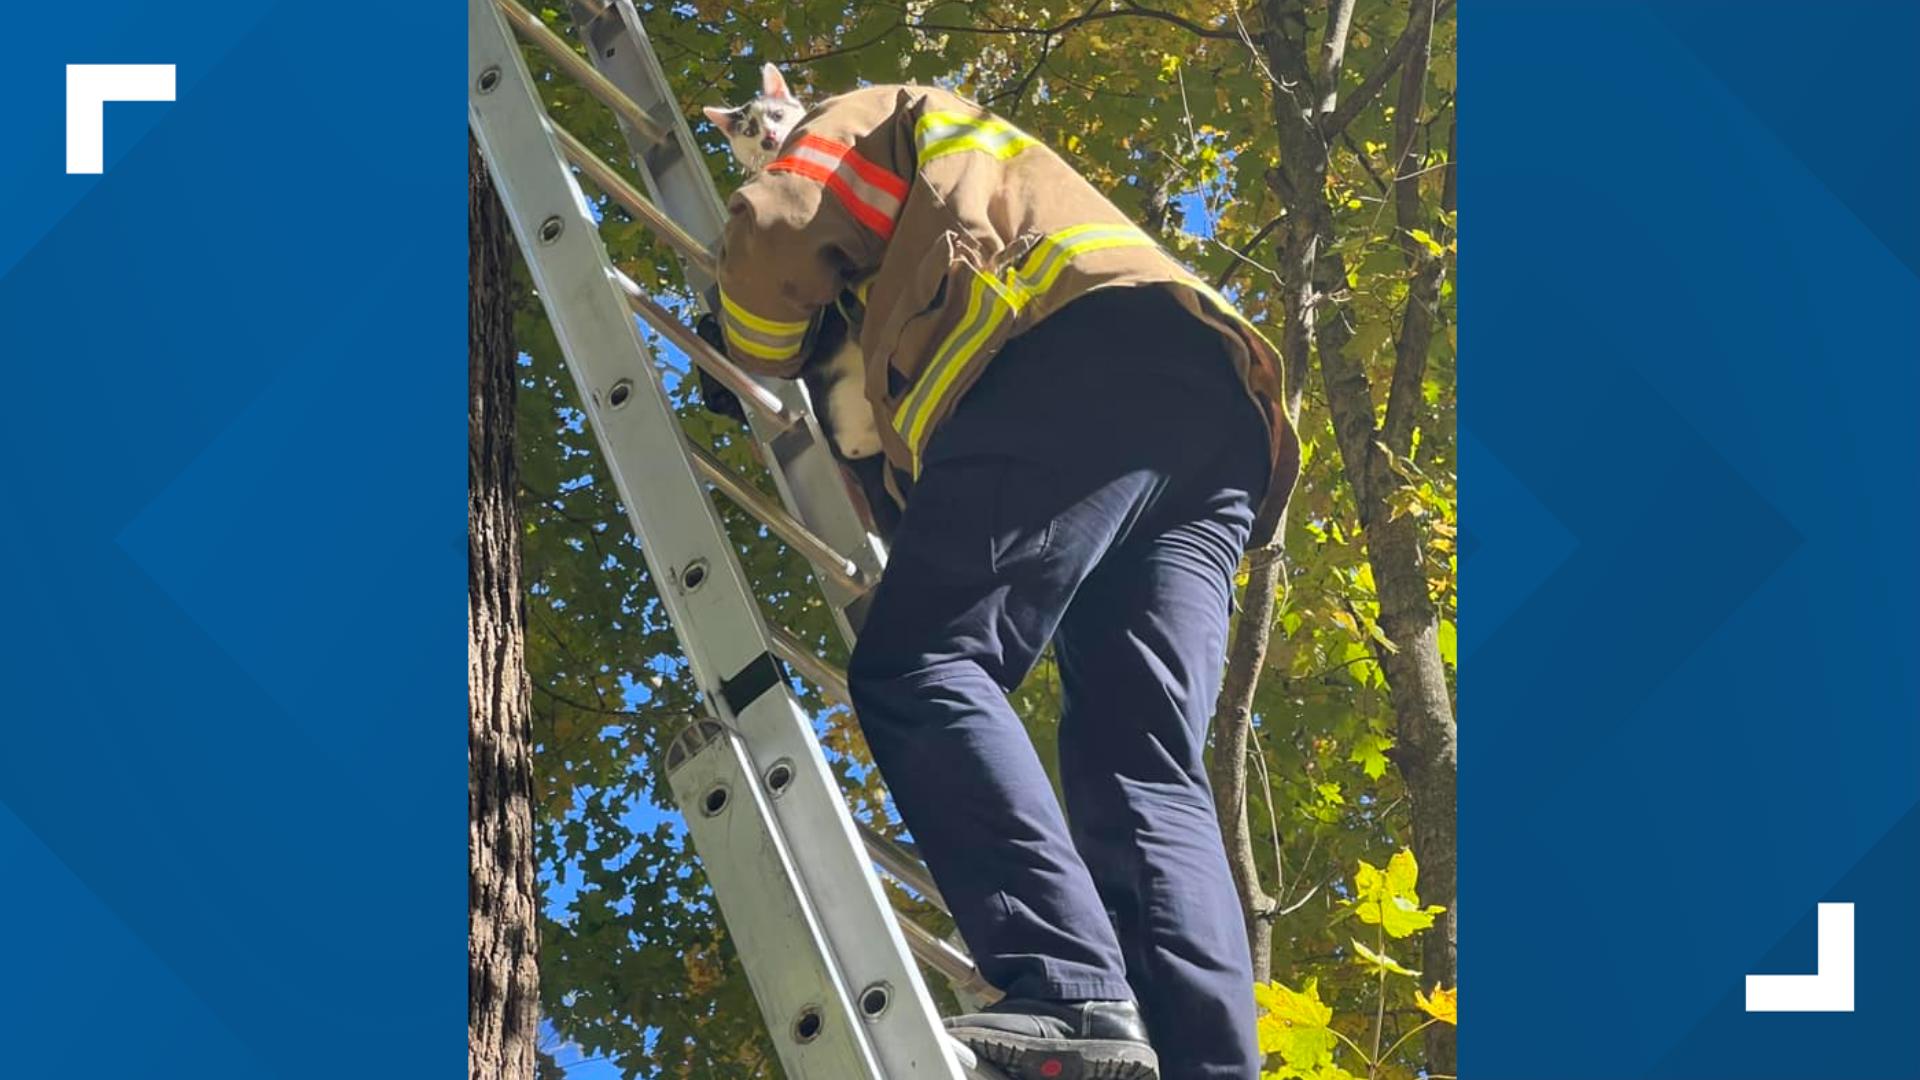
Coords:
1061,1040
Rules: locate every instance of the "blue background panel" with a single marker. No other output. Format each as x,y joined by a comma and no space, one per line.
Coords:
1688,476
232,830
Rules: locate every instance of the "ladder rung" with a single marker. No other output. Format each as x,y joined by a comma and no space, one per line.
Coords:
590,79
953,964
831,680
751,393
775,517
635,203
901,863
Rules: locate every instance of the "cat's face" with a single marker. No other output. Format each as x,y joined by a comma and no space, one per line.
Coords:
755,130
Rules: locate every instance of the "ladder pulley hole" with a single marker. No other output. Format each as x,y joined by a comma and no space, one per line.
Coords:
806,1027
715,800
695,575
875,999
779,776
489,79
551,229
621,393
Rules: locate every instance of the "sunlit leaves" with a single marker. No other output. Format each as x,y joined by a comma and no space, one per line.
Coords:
1388,899
1378,962
1442,1005
1294,1024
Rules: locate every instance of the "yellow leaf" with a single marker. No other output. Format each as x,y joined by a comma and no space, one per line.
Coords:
1426,240
1293,1023
1379,961
1442,1006
1403,874
1388,900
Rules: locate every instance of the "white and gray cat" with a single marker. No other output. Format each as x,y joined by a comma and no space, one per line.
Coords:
836,372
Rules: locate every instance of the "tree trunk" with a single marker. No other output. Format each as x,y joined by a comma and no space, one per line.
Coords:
503,985
1308,117
1247,657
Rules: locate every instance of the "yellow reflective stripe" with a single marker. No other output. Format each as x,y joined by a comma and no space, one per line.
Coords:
759,337
940,376
938,134
1041,268
755,322
1037,273
755,349
976,292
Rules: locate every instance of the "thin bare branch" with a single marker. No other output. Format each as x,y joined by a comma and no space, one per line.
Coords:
1243,255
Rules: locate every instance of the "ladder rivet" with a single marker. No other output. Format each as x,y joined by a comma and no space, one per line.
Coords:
715,800
622,391
875,999
694,576
807,1027
489,79
779,776
551,229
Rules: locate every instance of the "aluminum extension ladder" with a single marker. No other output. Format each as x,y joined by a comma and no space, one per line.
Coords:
831,964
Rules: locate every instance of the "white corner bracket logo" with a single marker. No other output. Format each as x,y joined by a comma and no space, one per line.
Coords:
89,88
1829,988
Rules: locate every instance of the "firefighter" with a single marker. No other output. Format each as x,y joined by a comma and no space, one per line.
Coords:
1092,434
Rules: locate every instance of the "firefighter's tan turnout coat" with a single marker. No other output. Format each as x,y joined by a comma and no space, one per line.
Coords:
960,231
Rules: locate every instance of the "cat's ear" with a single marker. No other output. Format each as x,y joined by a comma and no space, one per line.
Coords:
721,118
773,84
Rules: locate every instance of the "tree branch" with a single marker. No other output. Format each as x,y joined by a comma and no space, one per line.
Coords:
1333,51
1130,11
1244,253
843,50
1232,722
1376,80
1423,293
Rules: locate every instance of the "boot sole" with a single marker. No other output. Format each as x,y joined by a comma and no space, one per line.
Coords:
1028,1057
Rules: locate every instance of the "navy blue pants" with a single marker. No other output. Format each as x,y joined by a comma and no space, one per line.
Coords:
1094,489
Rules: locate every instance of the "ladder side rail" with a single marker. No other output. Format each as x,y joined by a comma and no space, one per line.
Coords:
806,475
698,256
590,79
802,836
674,169
805,472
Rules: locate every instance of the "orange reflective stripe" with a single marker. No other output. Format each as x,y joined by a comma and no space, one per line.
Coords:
870,193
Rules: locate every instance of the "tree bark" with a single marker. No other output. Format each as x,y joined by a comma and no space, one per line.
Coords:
1247,657
1307,119
503,987
1232,725
1425,731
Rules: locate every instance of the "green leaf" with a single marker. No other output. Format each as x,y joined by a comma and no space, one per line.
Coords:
1369,752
